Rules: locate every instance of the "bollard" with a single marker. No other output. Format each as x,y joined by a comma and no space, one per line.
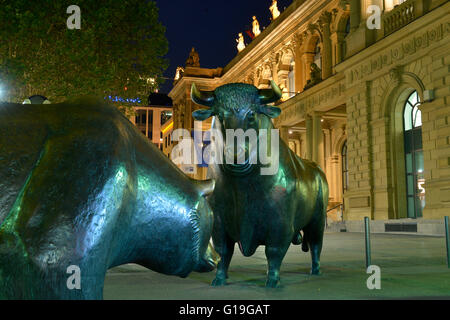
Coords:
447,238
368,250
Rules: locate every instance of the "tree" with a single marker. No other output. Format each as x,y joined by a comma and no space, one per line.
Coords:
121,46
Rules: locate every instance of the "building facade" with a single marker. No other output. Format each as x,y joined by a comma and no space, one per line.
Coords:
150,119
369,103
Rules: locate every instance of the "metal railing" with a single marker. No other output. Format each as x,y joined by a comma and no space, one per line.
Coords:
341,206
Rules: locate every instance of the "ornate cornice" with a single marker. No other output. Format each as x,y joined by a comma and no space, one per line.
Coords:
396,53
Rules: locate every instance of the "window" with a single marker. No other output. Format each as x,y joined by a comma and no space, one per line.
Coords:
165,116
347,27
344,167
291,78
414,162
318,55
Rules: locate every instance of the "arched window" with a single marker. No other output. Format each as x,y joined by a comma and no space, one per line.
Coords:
414,164
291,78
318,55
344,167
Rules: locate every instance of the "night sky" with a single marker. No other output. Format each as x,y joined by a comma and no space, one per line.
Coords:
211,26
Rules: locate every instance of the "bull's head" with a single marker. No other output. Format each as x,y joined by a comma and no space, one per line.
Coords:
236,102
238,106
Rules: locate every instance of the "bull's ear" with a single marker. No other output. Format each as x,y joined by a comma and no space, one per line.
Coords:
202,114
271,112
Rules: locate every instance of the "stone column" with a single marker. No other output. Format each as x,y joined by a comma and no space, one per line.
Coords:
302,145
324,22
297,147
327,143
274,63
335,182
146,125
318,143
309,137
355,14
307,58
298,68
337,40
284,134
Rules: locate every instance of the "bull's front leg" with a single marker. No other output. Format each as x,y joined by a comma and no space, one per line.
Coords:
274,255
224,246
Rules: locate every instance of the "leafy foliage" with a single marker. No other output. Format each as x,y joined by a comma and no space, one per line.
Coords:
120,46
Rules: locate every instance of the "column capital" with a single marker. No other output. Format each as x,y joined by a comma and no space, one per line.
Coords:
325,18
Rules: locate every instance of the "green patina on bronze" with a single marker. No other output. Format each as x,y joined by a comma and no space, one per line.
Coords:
80,185
253,209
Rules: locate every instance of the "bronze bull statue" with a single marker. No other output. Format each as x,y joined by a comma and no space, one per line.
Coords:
82,189
252,209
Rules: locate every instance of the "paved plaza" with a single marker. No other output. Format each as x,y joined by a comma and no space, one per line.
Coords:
412,267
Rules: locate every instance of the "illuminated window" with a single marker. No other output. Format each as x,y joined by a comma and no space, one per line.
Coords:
291,78
414,162
318,55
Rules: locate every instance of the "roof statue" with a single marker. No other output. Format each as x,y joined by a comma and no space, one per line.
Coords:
240,41
179,73
193,60
256,28
274,10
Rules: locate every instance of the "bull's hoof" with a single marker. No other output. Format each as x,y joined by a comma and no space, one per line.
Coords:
219,282
272,283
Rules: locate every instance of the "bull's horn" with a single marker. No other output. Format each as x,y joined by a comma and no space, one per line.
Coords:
205,187
203,98
267,96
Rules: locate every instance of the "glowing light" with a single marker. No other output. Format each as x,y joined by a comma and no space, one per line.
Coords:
120,99
170,126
